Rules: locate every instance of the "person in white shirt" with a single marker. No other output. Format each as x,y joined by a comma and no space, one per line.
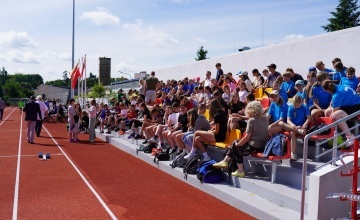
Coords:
44,112
92,121
207,81
243,92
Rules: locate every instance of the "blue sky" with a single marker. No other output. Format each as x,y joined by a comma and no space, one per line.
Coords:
143,35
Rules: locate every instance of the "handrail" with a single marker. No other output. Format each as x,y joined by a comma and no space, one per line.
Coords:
305,155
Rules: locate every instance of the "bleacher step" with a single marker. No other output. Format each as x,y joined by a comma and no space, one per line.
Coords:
248,201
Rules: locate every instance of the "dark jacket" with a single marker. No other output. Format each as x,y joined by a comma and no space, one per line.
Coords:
32,109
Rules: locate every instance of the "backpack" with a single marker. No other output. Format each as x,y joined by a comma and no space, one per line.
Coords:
179,161
206,173
162,156
142,147
232,165
149,147
276,145
191,165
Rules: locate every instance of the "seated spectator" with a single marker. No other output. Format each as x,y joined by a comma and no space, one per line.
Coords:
288,85
226,95
344,102
277,113
236,113
311,78
253,141
298,119
224,105
340,71
217,134
299,86
293,76
273,75
259,79
358,89
321,67
350,80
243,92
282,93
321,99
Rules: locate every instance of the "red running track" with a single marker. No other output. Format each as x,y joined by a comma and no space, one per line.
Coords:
127,188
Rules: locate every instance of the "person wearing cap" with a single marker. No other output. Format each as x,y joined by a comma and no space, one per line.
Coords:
277,113
272,76
299,86
350,80
32,110
287,86
344,102
219,72
44,112
294,76
2,107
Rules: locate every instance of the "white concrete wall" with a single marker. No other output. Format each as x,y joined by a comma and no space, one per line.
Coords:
299,55
325,181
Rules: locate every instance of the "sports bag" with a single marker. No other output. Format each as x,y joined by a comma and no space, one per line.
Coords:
276,145
162,156
206,173
179,161
149,148
191,165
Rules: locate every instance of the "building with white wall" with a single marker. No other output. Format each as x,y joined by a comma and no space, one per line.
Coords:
299,55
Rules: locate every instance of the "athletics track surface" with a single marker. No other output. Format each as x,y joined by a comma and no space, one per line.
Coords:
90,181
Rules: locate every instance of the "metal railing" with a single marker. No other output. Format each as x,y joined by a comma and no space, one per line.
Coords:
333,150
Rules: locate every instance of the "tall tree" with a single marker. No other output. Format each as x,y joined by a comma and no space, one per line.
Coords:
201,54
3,76
345,16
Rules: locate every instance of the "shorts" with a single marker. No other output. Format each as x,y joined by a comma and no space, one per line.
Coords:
350,109
150,96
187,138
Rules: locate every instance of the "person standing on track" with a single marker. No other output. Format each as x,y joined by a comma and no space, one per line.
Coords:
31,109
92,121
21,105
44,111
2,107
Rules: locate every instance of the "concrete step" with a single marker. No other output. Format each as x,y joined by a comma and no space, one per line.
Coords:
249,194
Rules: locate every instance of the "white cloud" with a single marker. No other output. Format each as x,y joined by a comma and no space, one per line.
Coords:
16,39
149,35
126,67
21,57
293,37
199,39
101,17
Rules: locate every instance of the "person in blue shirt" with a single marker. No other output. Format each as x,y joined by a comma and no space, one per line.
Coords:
287,85
344,102
321,67
350,80
299,86
340,71
311,78
282,93
321,99
298,120
277,113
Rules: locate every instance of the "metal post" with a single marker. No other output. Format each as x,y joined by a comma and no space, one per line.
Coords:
334,152
73,46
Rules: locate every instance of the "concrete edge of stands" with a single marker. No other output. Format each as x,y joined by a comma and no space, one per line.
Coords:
241,199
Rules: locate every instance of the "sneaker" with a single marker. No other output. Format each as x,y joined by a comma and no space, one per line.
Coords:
206,159
293,156
101,132
153,140
131,136
189,156
116,129
221,164
178,152
238,174
91,141
172,150
350,141
145,142
109,132
129,131
121,132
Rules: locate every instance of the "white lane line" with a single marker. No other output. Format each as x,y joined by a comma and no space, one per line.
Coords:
8,116
59,154
84,179
17,180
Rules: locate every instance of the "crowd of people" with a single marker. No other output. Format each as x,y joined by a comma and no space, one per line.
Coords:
186,115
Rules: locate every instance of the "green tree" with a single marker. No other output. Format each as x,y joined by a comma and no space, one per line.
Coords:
98,91
201,54
12,89
34,80
345,16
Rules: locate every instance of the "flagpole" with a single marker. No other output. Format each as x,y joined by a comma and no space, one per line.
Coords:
73,46
85,90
